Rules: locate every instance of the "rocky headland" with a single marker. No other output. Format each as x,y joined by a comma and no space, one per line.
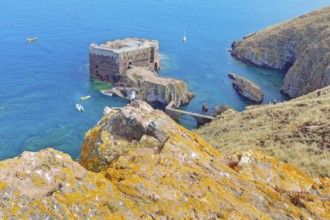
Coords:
299,46
152,88
296,131
137,163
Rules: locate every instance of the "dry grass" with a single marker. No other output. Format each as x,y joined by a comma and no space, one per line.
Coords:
297,131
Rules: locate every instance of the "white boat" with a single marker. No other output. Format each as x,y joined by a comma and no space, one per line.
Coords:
107,92
80,108
30,39
83,98
184,38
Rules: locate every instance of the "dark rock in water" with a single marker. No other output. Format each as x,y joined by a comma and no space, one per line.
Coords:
299,47
232,75
221,109
205,108
248,90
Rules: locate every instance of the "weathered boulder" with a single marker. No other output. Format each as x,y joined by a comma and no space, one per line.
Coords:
50,185
248,90
299,46
221,109
291,183
167,171
153,88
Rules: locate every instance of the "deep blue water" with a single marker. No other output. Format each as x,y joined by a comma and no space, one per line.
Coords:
40,82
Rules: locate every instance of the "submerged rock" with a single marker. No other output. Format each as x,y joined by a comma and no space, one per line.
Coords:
248,90
299,46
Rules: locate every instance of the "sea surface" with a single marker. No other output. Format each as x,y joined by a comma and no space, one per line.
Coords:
41,81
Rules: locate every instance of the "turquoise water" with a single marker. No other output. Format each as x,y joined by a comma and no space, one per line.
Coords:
41,81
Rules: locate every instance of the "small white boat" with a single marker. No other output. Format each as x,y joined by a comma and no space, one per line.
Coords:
184,38
80,108
83,98
107,92
30,39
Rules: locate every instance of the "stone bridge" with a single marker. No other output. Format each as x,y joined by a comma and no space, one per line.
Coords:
176,113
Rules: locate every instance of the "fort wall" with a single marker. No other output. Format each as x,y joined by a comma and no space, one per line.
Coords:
111,60
103,64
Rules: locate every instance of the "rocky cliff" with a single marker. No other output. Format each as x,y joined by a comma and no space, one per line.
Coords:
145,166
153,88
299,46
296,131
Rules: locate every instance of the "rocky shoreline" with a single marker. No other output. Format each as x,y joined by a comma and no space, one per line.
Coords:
298,47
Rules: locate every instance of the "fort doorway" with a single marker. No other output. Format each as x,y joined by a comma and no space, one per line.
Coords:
129,64
156,66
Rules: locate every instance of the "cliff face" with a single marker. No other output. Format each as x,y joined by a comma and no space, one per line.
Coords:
157,89
148,167
296,131
299,46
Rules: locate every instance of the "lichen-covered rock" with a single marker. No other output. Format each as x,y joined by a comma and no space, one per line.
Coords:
299,46
290,182
50,185
151,168
248,90
167,171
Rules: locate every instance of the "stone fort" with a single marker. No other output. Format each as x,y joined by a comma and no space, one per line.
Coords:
110,61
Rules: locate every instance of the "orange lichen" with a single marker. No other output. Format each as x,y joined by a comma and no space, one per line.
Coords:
166,172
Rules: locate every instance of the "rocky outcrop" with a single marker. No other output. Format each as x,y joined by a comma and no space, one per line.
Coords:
299,46
151,168
50,185
153,88
168,171
221,109
296,131
248,90
232,75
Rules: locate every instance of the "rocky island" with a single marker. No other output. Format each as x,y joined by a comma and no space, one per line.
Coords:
137,163
299,47
132,64
247,89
